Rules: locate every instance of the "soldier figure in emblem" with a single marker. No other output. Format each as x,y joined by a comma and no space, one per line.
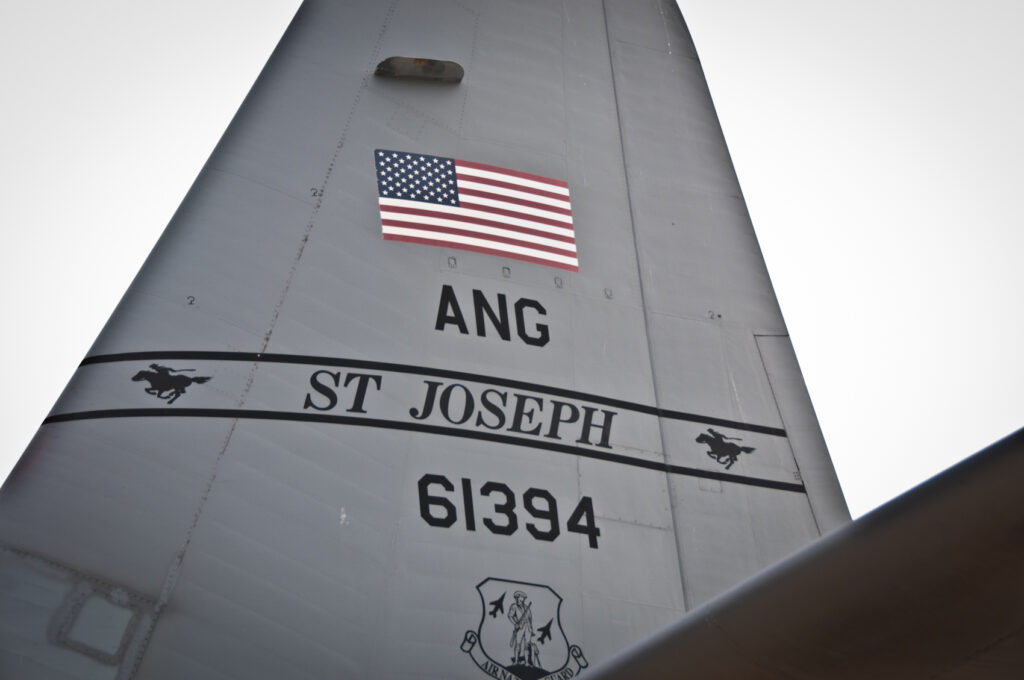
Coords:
524,651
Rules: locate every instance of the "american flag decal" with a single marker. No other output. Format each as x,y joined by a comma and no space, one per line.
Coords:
448,202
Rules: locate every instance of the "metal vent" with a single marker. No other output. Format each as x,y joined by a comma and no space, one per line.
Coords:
420,69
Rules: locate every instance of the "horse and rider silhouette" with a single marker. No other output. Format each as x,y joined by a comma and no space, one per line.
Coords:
167,383
725,452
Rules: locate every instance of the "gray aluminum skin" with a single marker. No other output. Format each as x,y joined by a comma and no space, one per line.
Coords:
252,529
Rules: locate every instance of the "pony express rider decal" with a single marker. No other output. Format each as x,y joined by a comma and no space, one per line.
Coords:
168,383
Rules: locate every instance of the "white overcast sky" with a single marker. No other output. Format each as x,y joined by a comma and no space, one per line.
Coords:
878,145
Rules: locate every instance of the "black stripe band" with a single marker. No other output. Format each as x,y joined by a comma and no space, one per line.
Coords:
423,427
436,373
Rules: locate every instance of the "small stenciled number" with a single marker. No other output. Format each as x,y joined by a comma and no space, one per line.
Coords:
316,192
506,509
496,504
446,517
582,521
467,504
548,513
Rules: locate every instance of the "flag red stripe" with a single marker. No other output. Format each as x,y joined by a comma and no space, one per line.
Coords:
476,249
476,234
515,187
422,212
513,213
516,201
513,173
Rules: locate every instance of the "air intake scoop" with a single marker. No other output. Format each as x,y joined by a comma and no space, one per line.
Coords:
420,69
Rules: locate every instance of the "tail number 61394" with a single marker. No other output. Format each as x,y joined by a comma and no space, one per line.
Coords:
498,503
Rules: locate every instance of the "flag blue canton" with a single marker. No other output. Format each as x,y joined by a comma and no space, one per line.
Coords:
416,177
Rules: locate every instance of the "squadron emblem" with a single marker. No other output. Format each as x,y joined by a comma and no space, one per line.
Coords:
520,635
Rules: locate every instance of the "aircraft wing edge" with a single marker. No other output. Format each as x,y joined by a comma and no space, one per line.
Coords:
927,585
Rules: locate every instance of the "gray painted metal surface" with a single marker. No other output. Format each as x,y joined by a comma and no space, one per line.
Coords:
284,457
